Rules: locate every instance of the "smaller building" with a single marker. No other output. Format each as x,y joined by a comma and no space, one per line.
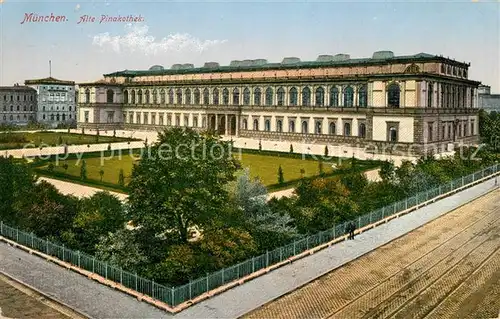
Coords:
487,101
18,105
56,101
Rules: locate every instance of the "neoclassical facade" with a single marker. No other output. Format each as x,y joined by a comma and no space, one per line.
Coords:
56,101
423,103
17,105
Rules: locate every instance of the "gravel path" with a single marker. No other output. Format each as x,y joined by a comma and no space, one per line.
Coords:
103,302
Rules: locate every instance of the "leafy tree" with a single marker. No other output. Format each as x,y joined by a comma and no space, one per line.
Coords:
65,166
50,167
291,148
121,178
355,183
181,262
175,188
97,216
17,181
281,179
326,150
121,249
101,173
387,171
83,170
47,213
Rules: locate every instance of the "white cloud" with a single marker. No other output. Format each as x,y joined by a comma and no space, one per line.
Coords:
136,39
77,7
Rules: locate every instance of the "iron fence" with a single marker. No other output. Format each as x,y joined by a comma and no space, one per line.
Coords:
174,296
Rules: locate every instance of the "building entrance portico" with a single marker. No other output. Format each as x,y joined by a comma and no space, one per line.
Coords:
223,124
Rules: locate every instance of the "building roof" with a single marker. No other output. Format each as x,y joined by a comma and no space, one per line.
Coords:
17,88
379,57
49,80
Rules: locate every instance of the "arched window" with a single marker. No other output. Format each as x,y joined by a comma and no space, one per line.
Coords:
293,96
12,108
216,96
24,108
206,96
363,96
393,134
225,96
291,126
305,129
18,108
246,96
147,96
125,97
320,96
347,129
162,96
195,121
348,97
280,96
257,96
362,130
87,96
139,97
318,127
187,94
430,94
255,125
393,95
269,96
306,96
133,100
155,96
442,68
244,124
197,96
332,129
171,96
236,96
267,125
178,94
63,117
51,117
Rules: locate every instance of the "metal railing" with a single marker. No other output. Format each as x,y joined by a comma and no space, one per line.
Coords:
174,296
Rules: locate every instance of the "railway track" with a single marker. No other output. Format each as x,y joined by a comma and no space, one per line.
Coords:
427,273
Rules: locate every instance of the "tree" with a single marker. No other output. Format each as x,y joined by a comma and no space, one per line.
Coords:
260,146
121,249
175,188
387,171
146,142
326,150
291,148
281,179
83,131
121,178
47,213
50,167
302,172
83,170
97,216
60,141
101,173
114,132
16,180
65,166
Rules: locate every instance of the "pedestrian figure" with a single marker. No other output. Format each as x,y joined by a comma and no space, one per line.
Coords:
353,228
348,230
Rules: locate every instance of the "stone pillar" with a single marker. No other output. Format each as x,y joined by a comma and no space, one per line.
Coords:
237,125
226,122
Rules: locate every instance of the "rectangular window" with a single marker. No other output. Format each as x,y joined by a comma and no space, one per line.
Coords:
86,116
160,120
472,127
153,119
111,116
430,132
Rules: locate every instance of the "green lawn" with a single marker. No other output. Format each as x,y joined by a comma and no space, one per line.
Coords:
263,166
13,140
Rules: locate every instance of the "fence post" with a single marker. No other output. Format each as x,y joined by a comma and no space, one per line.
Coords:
17,234
153,289
267,258
63,253
307,240
333,231
294,253
136,281
359,222
1,227
190,291
223,275
253,263
79,259
93,264
172,296
463,181
370,217
106,270
238,271
121,276
281,253
383,212
32,240
207,280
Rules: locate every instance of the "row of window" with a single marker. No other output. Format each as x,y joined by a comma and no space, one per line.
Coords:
18,118
448,130
57,108
268,97
56,117
318,127
25,98
18,108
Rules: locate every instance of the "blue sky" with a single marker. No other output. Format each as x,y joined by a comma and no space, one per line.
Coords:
221,31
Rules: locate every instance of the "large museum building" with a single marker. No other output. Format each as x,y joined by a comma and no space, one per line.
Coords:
422,103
